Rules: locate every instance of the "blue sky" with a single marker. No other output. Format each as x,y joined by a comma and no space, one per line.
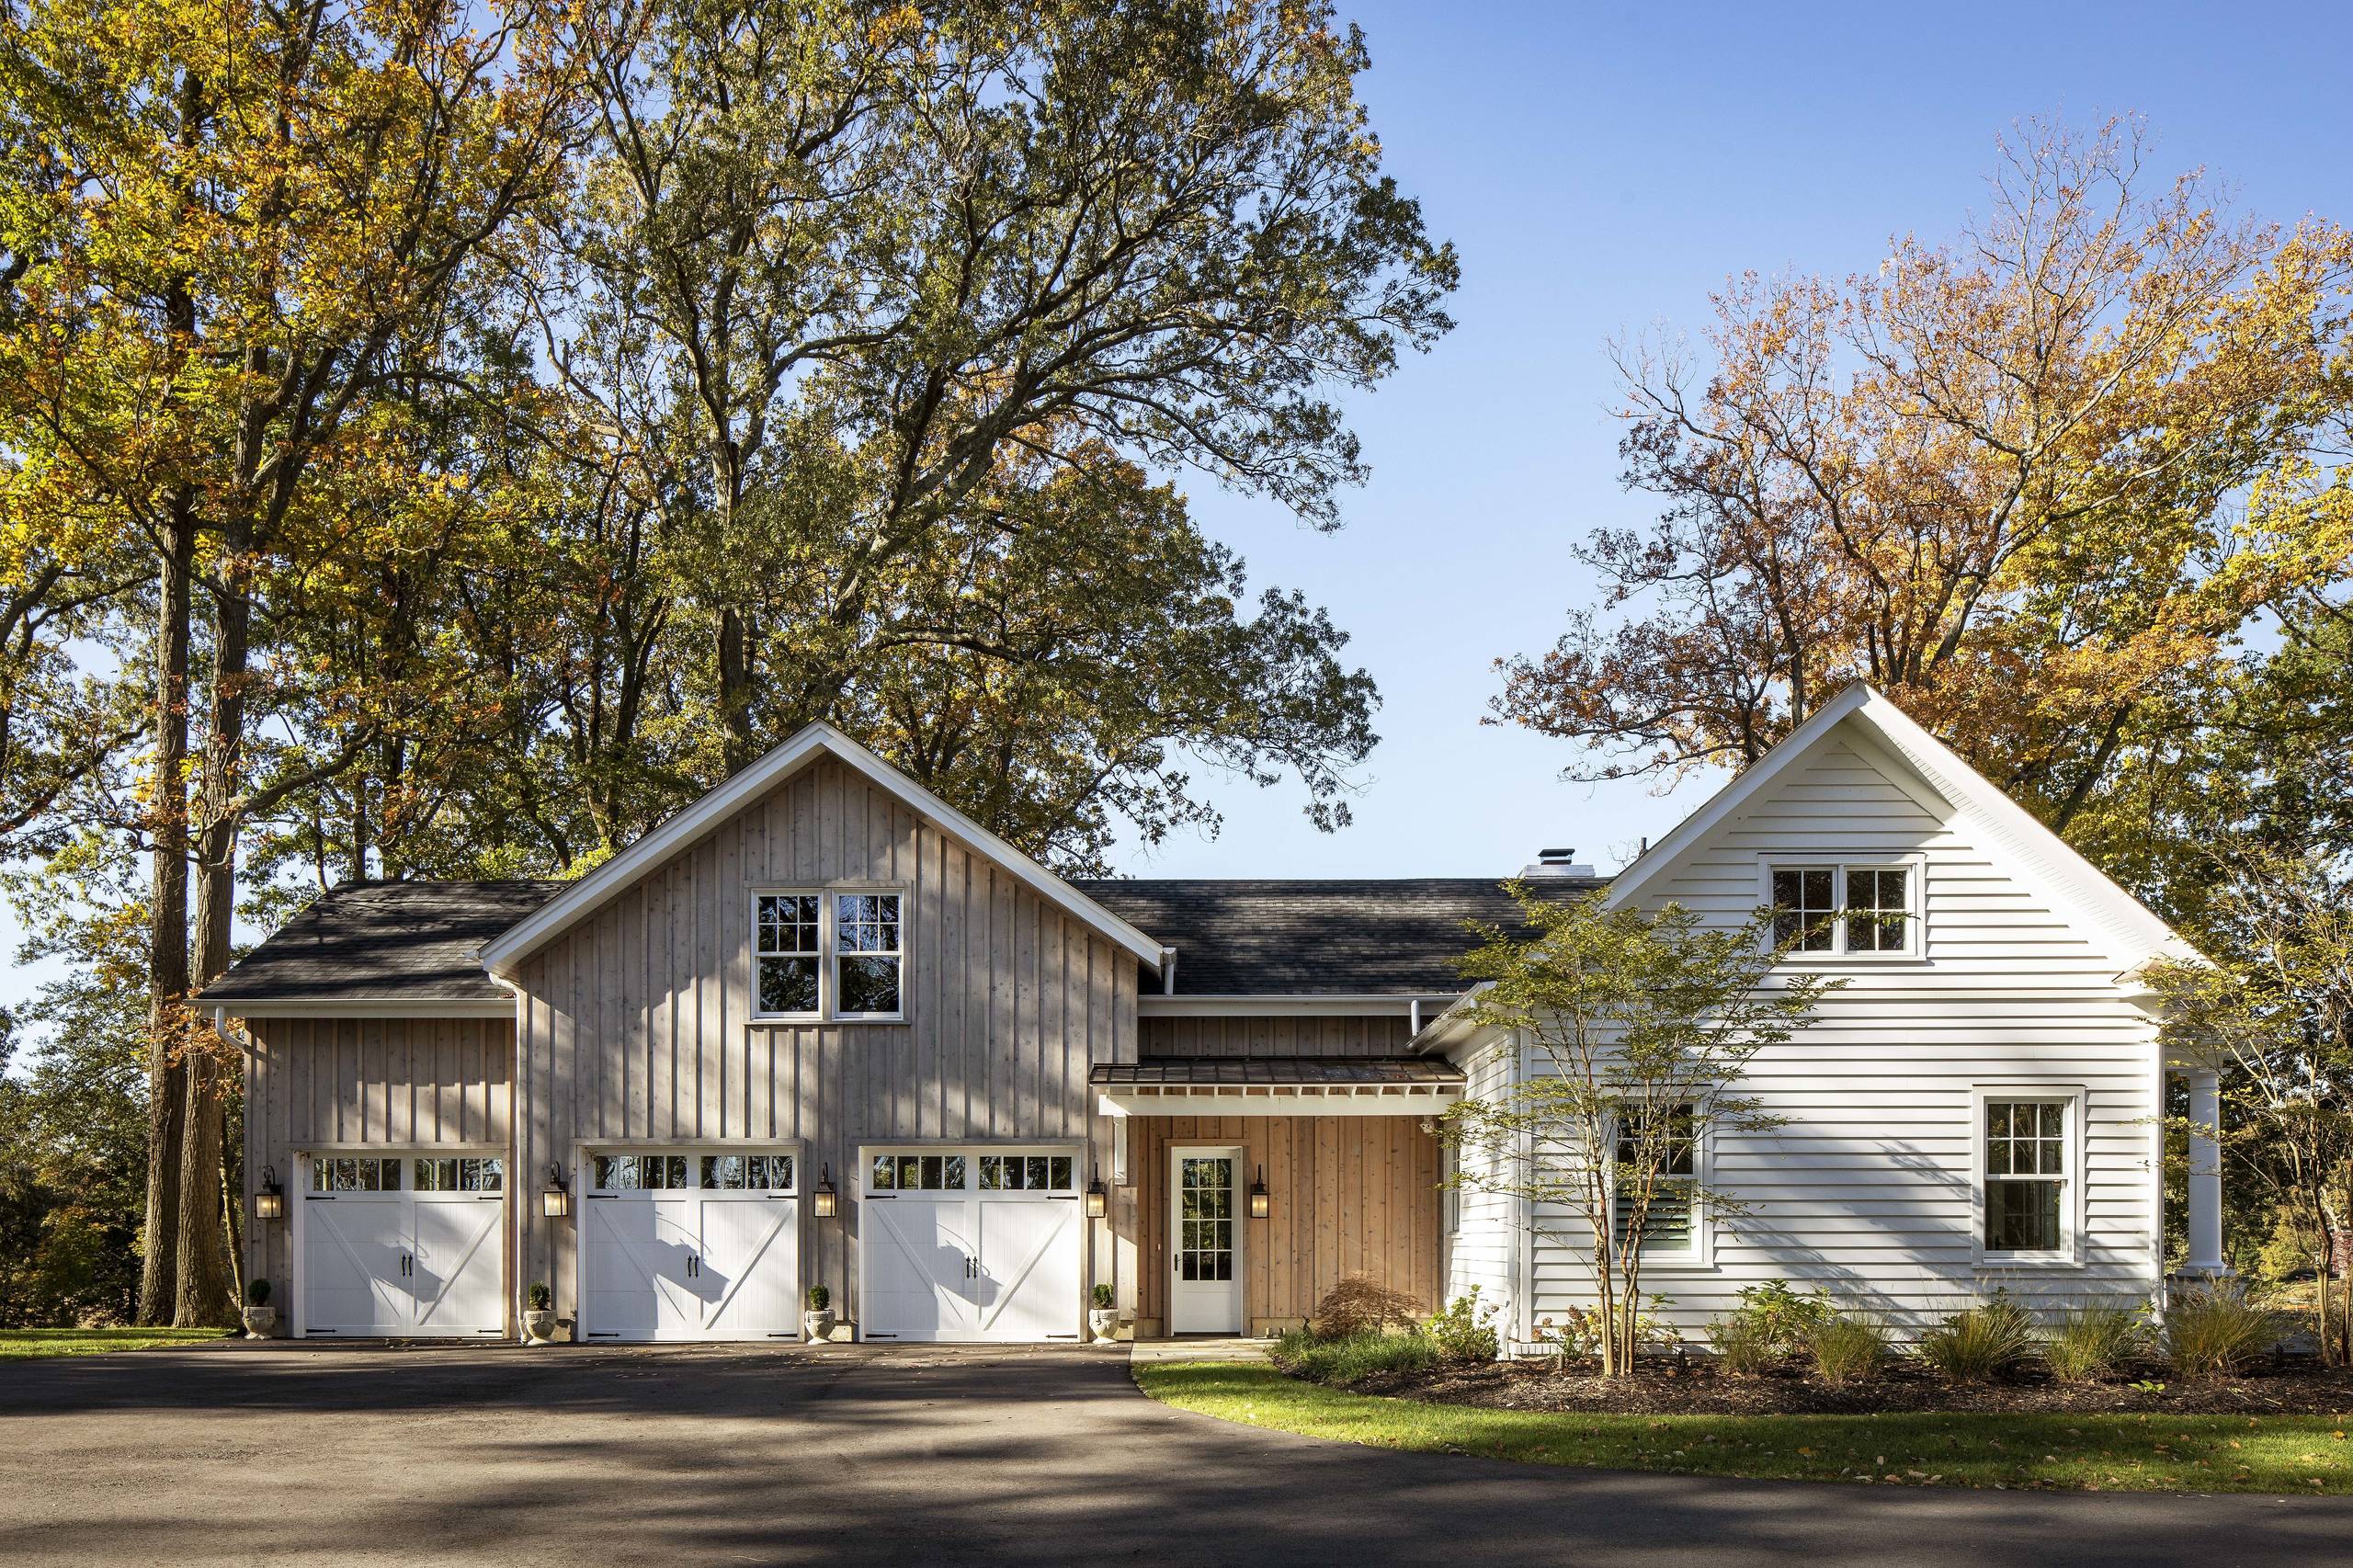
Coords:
1601,169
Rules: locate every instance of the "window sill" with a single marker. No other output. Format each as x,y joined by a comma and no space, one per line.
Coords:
818,1020
1860,960
2038,1260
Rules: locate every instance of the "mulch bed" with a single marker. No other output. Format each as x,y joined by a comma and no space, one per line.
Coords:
2292,1387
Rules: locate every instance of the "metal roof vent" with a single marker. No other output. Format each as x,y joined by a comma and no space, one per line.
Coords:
1556,863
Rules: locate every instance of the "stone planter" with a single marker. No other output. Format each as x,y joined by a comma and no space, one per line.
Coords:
261,1323
538,1327
1104,1324
818,1326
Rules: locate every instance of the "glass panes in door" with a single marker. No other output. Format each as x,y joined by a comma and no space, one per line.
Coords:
1205,1218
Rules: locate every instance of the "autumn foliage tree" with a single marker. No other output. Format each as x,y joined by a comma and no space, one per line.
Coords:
2039,483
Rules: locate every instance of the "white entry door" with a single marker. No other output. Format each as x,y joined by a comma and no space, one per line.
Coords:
701,1243
970,1245
402,1245
1205,1261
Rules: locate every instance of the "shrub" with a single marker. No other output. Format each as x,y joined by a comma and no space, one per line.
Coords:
1988,1341
1465,1332
820,1298
257,1292
1846,1348
1361,1304
1306,1354
2215,1330
1101,1296
2092,1342
1771,1322
1577,1337
539,1296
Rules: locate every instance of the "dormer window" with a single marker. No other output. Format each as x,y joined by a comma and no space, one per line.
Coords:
832,954
1845,909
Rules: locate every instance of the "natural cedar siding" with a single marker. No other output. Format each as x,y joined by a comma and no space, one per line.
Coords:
1260,1035
1348,1195
393,1082
638,1023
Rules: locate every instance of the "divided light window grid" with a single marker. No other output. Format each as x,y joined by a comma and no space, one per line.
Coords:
1670,1225
681,1173
916,1173
787,952
2026,1175
1843,909
866,954
356,1176
460,1175
1026,1173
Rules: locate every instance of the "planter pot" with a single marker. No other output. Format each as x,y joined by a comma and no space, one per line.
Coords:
818,1326
260,1322
539,1326
1105,1322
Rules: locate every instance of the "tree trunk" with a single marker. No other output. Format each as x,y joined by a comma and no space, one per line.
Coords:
167,922
734,689
207,1292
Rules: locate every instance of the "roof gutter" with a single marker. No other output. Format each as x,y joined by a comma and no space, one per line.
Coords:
1261,1004
361,1006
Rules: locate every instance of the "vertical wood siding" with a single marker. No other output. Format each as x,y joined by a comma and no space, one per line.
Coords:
638,1028
1247,1036
396,1082
1348,1195
1866,1191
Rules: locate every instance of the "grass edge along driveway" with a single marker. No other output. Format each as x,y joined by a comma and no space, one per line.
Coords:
23,1344
2283,1455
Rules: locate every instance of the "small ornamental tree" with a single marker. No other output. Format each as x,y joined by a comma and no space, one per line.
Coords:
1635,1029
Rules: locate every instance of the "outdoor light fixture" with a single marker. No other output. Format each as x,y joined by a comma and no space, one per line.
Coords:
555,1198
1260,1206
824,1202
269,1199
1098,1202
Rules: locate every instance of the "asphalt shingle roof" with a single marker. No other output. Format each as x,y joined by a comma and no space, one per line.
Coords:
415,941
1398,936
421,940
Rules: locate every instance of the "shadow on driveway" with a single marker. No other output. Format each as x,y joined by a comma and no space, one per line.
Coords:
901,1454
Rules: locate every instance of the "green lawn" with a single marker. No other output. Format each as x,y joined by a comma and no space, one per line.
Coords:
2278,1454
19,1344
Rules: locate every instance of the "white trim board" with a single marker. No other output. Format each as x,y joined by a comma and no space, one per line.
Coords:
358,1007
591,891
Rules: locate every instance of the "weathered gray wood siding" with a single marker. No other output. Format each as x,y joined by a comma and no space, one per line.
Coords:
638,1026
1260,1036
395,1083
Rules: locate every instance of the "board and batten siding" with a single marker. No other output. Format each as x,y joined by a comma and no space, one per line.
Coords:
360,1082
638,1026
1348,1195
1866,1191
1273,1036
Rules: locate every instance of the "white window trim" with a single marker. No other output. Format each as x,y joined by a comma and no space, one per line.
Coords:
1702,1254
1914,865
2070,1251
828,953
830,971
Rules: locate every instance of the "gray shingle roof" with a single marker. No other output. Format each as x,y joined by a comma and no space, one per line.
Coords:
1264,1070
1398,936
413,941
420,940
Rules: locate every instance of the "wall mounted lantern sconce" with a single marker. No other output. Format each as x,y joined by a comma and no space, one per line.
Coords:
555,1198
1260,1205
1098,1202
269,1199
824,1202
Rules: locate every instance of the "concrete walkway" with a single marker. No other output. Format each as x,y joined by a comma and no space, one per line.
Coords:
1150,1350
855,1454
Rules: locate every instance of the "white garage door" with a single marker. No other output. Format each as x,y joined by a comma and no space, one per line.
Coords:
402,1245
970,1245
700,1243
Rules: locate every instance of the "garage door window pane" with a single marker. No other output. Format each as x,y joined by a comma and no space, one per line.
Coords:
354,1176
884,1176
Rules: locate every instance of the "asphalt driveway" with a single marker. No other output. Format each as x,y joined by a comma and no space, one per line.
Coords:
855,1454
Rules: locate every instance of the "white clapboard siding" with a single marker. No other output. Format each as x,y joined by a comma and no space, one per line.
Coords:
1480,1251
1866,1189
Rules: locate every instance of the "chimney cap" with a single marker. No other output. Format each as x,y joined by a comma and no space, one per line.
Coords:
1555,856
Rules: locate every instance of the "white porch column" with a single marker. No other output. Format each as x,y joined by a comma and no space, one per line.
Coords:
2205,1172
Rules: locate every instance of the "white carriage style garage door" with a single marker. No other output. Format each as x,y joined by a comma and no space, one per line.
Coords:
696,1244
402,1245
970,1245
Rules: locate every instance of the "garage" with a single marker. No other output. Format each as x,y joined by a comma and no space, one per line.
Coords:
401,1246
982,1243
690,1243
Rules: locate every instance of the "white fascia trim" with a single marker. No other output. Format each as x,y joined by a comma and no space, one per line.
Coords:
1263,1004
583,897
360,1007
1733,795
